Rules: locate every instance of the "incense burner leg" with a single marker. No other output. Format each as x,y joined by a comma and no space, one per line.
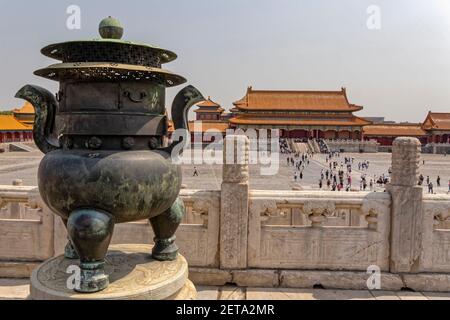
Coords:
69,250
164,227
91,231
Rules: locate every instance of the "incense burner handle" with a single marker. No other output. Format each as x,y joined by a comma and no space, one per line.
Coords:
130,96
182,103
45,106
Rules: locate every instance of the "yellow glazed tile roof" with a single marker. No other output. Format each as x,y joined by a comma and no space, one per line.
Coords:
10,123
27,109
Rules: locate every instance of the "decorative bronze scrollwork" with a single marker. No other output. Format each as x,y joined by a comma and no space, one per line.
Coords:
141,98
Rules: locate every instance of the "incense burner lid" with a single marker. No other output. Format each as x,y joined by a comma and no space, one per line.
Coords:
109,48
109,59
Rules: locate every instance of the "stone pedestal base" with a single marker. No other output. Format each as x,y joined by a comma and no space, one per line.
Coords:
133,275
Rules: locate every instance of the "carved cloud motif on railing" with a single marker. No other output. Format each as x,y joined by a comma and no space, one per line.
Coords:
317,211
35,202
202,207
440,213
266,208
370,210
199,208
14,203
365,212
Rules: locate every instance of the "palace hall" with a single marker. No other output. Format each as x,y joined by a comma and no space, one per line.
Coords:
300,114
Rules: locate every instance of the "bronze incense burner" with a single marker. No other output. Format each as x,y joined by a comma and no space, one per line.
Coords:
103,135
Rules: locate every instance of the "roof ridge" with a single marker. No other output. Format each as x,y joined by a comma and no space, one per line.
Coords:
397,124
208,100
297,91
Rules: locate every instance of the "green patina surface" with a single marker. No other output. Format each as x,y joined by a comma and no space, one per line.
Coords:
131,185
94,180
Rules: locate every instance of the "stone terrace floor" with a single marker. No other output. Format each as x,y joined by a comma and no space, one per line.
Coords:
19,289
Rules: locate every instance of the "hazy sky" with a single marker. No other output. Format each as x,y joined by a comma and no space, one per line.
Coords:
400,71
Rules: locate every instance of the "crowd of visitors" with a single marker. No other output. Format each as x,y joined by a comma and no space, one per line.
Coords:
299,162
339,174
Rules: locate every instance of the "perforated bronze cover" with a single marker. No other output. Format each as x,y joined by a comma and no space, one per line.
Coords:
109,72
109,50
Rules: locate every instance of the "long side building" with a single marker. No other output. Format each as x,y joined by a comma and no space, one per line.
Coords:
386,133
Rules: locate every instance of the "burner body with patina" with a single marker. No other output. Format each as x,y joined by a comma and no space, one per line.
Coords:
104,137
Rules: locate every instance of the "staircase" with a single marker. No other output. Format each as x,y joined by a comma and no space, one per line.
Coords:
20,147
315,146
310,146
298,147
323,146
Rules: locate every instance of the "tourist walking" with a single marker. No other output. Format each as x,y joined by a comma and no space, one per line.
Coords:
195,172
421,178
438,181
430,187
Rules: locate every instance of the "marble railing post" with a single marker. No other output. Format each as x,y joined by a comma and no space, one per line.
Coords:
407,206
14,208
234,203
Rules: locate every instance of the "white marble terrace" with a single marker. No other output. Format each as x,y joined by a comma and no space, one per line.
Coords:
273,244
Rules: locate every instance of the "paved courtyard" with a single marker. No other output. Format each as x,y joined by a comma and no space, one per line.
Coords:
19,289
17,165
